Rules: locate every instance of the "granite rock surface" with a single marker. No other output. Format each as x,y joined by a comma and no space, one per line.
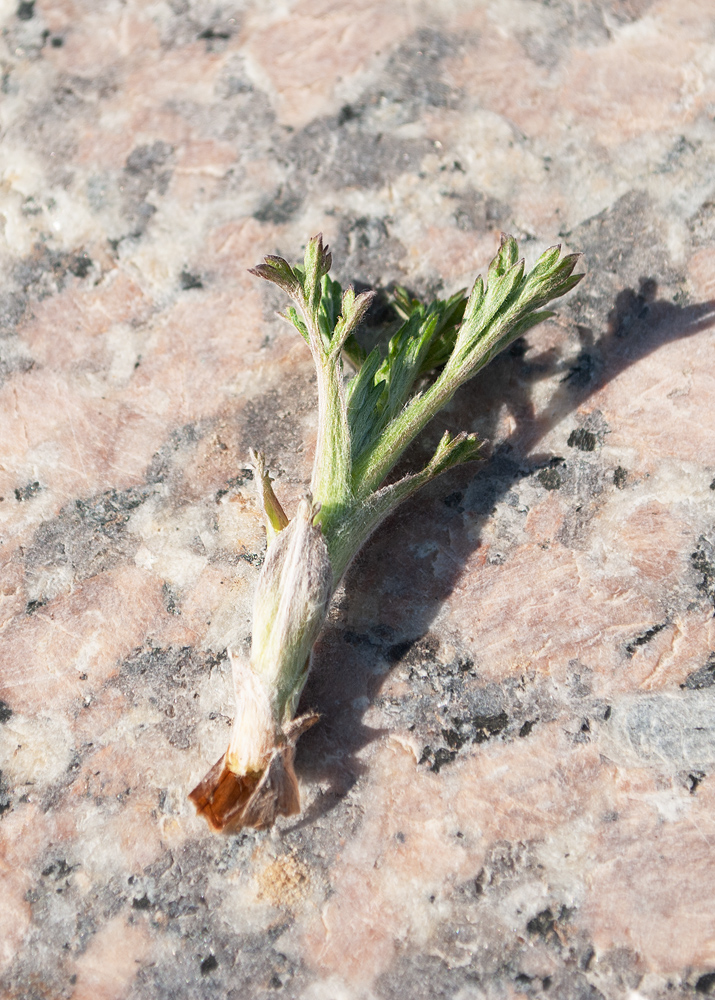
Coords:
511,790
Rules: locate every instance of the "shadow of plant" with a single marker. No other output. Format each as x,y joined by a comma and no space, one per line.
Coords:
350,667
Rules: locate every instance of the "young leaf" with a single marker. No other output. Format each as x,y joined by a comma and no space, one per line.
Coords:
353,309
280,272
316,264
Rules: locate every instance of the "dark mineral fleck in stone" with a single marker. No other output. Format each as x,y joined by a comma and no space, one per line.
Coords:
442,757
189,281
542,924
582,439
549,479
702,678
209,964
706,984
486,726
644,638
23,493
620,478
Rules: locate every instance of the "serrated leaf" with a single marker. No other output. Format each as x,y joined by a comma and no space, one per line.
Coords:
280,272
353,309
404,304
474,302
504,259
329,308
363,397
566,285
566,265
546,261
291,314
453,451
316,263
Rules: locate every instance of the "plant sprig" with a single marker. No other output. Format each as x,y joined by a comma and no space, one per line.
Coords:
365,423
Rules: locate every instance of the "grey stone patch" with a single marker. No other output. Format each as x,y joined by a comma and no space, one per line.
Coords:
147,172
25,31
102,192
584,486
494,482
209,958
370,160
703,563
582,439
54,793
234,557
184,22
624,246
366,252
581,481
46,271
673,730
189,281
42,273
165,465
240,114
65,919
234,483
274,420
623,239
253,960
87,537
595,423
705,984
702,224
550,479
481,943
169,680
620,477
678,156
419,976
325,153
703,677
357,148
475,212
51,125
281,207
12,309
412,78
91,535
151,160
233,80
170,600
449,710
553,29
5,798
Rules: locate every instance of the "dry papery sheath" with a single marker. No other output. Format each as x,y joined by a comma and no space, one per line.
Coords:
365,423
